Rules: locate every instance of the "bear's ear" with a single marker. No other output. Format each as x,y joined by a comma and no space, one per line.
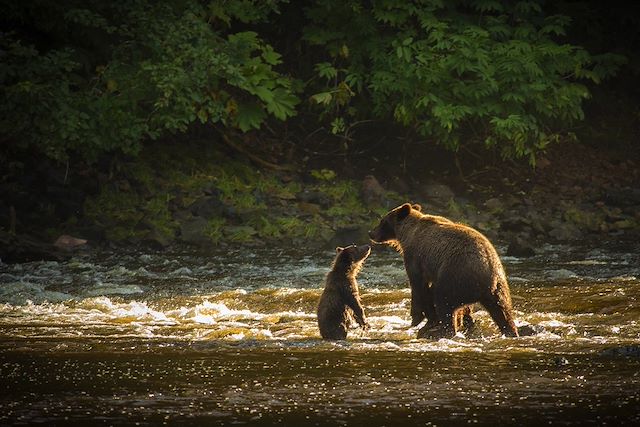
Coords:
339,249
403,211
417,207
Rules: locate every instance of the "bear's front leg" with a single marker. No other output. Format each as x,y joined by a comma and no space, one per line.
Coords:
353,302
362,320
422,303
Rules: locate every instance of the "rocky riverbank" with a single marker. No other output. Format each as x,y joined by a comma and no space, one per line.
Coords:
202,195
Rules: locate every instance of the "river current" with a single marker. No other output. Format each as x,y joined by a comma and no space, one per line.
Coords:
230,337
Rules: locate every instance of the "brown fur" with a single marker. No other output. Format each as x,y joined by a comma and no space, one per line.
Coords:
340,300
450,266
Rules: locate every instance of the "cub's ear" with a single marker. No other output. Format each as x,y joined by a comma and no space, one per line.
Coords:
417,207
339,249
403,211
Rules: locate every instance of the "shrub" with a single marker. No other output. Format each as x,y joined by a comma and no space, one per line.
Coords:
487,71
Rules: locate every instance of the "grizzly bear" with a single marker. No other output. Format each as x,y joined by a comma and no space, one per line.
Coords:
450,267
340,300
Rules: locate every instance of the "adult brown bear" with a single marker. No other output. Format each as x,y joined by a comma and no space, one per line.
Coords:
450,266
340,300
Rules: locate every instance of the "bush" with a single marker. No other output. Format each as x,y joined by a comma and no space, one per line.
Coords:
488,71
92,77
103,76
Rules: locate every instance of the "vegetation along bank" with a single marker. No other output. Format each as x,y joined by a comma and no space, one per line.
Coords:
207,123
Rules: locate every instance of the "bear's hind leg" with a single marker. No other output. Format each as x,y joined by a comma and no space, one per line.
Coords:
337,333
464,321
502,316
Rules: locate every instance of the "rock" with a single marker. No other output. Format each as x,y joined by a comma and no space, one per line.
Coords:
565,231
626,196
624,351
520,248
211,189
560,274
315,197
194,232
69,243
349,235
310,209
514,221
494,205
157,239
437,193
591,220
123,185
372,192
207,207
398,185
530,330
539,221
624,224
176,202
283,194
542,162
239,233
91,231
23,248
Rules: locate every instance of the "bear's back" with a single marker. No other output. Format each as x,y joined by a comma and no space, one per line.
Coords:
333,313
439,242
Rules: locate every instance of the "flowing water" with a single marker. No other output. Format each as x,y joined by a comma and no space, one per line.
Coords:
230,337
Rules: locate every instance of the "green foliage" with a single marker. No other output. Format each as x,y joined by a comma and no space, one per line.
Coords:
106,76
214,231
323,174
93,77
117,211
489,71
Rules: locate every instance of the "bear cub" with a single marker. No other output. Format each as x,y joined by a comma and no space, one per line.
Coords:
340,300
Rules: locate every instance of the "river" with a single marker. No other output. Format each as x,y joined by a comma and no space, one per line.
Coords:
230,337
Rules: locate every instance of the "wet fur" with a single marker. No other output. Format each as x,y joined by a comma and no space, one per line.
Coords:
450,267
340,300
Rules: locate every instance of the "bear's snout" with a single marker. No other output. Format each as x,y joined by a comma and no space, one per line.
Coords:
375,236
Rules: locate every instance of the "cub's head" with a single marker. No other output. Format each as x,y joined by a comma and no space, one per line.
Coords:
351,257
385,231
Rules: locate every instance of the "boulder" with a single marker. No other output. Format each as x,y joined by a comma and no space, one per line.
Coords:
207,207
530,330
521,248
437,193
24,248
349,235
157,239
69,243
314,197
564,231
494,205
373,194
623,197
624,351
194,232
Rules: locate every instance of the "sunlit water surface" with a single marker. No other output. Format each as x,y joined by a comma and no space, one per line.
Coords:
230,337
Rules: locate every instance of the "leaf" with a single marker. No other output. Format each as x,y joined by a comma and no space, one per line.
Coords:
249,116
270,56
337,125
283,103
264,93
322,98
344,51
202,115
326,70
